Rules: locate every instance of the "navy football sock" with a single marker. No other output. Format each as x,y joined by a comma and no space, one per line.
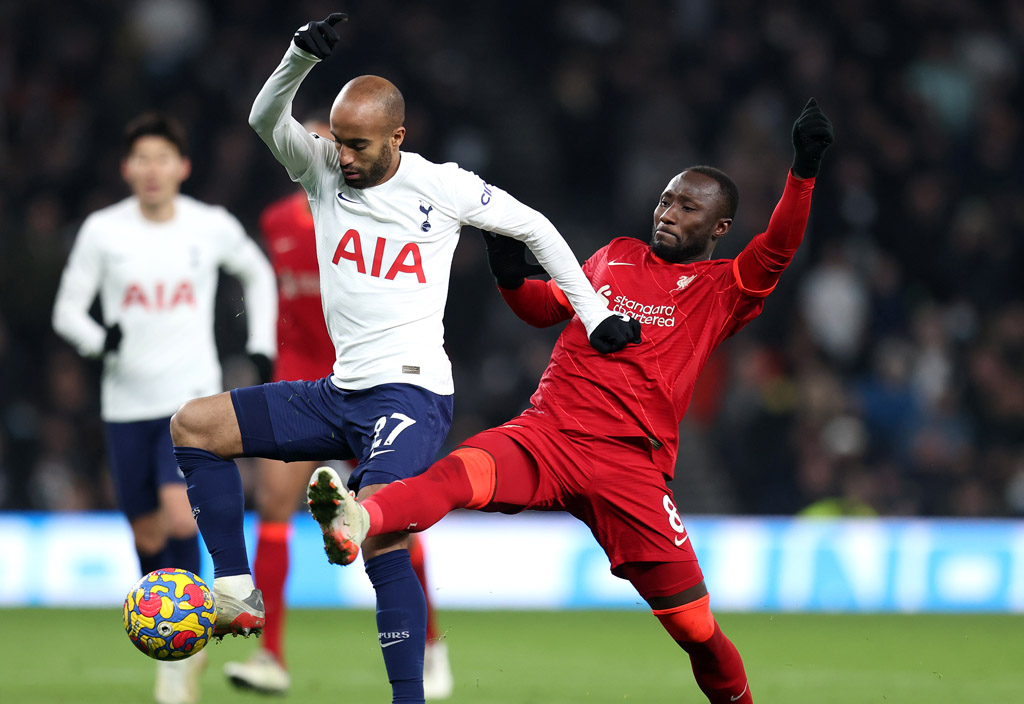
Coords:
401,622
153,561
215,492
184,553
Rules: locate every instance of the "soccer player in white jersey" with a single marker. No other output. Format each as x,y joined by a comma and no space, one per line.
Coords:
305,351
153,259
386,225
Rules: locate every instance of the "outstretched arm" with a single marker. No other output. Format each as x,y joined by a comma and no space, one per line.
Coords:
761,263
271,114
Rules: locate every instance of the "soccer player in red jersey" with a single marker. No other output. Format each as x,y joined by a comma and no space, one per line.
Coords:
601,436
305,351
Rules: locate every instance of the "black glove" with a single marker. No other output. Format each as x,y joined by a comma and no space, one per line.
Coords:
507,259
319,38
264,367
614,333
113,339
812,135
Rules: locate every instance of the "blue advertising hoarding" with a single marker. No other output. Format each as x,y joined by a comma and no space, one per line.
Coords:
550,561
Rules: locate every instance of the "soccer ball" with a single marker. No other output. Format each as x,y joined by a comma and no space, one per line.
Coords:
169,614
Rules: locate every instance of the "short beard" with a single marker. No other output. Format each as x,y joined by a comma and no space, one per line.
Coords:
679,253
377,169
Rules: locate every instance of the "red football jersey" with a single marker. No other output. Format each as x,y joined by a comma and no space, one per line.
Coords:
305,350
685,311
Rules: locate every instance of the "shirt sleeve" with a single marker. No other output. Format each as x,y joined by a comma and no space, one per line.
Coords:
271,117
758,267
79,284
539,303
243,259
492,209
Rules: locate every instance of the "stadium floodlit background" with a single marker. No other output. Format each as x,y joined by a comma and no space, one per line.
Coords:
885,377
887,368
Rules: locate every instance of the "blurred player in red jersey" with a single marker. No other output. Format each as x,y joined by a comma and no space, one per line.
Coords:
305,351
601,436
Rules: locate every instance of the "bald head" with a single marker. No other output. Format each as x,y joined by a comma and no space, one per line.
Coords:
366,123
373,98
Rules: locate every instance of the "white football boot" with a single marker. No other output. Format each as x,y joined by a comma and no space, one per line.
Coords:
240,610
437,672
260,673
342,520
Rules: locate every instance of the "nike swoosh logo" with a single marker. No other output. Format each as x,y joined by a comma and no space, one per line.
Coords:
378,452
679,541
736,698
393,642
348,200
621,264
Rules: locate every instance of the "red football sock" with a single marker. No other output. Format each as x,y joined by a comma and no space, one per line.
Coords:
419,566
270,572
418,503
718,669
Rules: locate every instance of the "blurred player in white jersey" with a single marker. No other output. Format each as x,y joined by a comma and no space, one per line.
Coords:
304,351
153,260
386,225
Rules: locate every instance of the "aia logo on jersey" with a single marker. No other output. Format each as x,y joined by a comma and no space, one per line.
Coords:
407,261
685,281
160,297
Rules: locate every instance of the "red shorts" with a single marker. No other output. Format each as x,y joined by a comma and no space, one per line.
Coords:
610,484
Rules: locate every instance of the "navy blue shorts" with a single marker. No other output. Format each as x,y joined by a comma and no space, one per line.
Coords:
393,430
141,461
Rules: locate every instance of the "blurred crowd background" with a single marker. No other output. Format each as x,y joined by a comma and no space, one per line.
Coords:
886,375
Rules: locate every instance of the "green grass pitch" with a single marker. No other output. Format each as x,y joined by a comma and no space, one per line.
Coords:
62,655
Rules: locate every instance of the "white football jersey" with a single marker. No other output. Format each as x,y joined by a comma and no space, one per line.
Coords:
385,252
158,280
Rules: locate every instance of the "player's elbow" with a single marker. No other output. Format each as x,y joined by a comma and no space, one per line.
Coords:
56,320
256,119
60,321
259,117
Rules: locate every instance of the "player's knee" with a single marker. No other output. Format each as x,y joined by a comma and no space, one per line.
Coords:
148,533
180,529
183,425
480,471
689,623
198,423
181,524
